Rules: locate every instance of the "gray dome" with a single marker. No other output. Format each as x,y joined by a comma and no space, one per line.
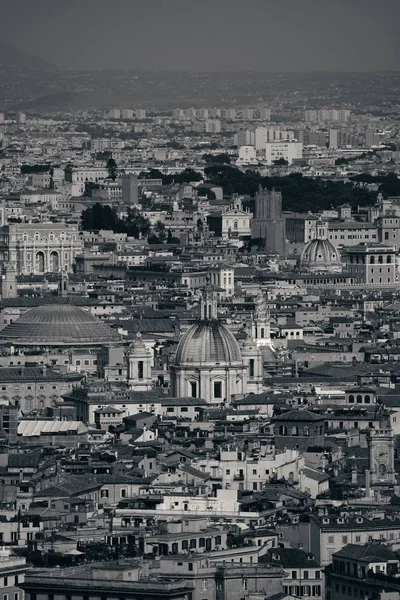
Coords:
320,255
208,342
57,325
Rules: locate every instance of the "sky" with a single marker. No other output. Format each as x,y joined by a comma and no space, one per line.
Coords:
207,35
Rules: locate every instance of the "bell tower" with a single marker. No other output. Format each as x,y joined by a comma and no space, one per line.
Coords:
381,451
9,281
252,358
139,366
208,306
261,322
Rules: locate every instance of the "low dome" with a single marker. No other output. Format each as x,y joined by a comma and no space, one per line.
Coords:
320,255
208,342
57,325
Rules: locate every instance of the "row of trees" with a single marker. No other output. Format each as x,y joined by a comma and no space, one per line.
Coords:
98,217
134,224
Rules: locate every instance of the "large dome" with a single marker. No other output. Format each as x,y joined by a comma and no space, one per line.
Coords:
320,255
57,325
208,342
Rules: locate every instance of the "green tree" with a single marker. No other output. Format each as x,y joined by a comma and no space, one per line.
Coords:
112,169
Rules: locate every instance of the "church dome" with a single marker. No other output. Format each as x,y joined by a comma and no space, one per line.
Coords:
320,255
208,342
57,325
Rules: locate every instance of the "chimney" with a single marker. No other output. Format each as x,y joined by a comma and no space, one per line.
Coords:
354,475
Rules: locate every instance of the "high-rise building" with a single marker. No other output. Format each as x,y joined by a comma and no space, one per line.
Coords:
230,113
127,113
212,126
115,113
264,114
244,137
178,113
248,113
140,113
333,138
130,194
203,113
287,150
215,113
327,114
2,117
268,223
21,117
310,116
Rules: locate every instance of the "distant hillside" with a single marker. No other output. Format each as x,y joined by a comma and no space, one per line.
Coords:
15,57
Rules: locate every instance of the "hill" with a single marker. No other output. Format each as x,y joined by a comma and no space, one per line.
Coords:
15,57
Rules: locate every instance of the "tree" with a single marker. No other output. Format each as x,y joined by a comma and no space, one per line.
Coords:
222,158
136,224
171,239
160,231
281,161
112,169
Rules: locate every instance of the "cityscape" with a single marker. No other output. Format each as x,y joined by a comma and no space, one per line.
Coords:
199,302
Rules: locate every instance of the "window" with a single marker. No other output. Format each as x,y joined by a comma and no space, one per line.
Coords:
123,493
294,574
344,539
305,575
217,389
193,389
358,538
140,369
5,581
190,566
317,574
104,494
251,367
331,539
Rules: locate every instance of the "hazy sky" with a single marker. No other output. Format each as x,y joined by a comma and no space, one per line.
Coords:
271,35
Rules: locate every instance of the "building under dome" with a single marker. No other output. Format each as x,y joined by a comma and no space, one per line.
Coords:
56,326
208,363
320,255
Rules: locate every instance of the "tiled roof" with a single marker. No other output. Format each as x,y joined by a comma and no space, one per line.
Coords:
372,552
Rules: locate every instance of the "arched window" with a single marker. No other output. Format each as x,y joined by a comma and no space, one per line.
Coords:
282,430
54,262
359,399
306,431
351,399
295,430
40,262
380,259
372,260
235,225
388,259
367,399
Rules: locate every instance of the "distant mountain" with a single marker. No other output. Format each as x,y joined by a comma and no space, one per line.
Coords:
15,57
